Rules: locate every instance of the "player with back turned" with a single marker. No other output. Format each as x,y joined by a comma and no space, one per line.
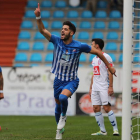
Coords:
65,66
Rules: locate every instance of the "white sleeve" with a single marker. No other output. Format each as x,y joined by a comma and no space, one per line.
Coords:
93,63
109,59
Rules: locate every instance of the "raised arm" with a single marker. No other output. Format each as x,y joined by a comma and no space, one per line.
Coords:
41,27
99,53
1,86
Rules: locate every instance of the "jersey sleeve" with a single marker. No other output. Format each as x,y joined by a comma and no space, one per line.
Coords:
109,59
93,62
85,48
54,39
0,69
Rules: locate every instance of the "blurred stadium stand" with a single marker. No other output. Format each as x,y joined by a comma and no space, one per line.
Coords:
11,13
19,33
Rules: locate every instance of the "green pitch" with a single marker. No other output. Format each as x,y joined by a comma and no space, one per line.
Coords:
44,128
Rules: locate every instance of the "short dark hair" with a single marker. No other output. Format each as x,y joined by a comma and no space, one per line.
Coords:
99,41
71,25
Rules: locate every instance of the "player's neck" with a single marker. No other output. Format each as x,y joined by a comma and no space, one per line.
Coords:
99,49
67,41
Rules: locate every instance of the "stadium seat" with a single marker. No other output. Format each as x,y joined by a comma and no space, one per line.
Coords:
32,4
21,57
112,55
137,14
113,25
72,14
38,35
36,57
86,14
121,47
99,25
27,24
137,36
19,65
82,57
30,14
85,25
49,57
121,58
138,25
38,46
56,25
100,14
115,14
46,4
102,4
56,33
60,4
23,46
134,5
24,35
83,35
111,46
45,14
75,23
34,65
50,46
137,47
58,14
136,57
98,35
91,57
112,35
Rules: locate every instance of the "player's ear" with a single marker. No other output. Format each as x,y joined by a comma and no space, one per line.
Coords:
71,33
97,45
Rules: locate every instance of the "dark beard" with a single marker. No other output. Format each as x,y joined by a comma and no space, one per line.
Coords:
66,37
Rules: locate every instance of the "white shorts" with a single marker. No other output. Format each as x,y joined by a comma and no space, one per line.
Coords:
100,97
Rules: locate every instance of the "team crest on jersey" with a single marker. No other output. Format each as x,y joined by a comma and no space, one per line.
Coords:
99,61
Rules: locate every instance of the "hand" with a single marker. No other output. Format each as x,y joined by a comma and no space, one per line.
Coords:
90,93
37,11
1,96
112,70
110,91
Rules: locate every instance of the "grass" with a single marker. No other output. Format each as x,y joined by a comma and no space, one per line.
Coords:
44,128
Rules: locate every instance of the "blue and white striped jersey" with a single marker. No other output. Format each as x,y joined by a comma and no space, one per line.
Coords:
66,58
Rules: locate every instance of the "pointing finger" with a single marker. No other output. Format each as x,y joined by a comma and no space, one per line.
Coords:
38,6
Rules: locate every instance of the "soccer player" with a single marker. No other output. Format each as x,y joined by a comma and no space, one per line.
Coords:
1,85
65,66
101,88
